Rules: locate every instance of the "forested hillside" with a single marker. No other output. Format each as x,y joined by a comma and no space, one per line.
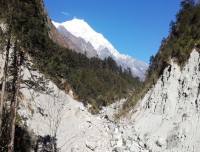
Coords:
183,37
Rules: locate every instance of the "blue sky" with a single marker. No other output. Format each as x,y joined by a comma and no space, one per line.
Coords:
134,27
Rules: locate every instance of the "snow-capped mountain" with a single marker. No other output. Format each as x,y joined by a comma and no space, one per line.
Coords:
83,46
79,28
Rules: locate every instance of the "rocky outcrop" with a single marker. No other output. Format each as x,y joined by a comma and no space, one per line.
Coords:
83,47
167,118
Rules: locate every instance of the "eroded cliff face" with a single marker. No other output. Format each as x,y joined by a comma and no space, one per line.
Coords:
167,118
57,114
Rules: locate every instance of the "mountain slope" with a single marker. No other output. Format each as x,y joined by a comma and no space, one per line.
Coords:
57,113
183,37
83,46
104,48
167,118
166,112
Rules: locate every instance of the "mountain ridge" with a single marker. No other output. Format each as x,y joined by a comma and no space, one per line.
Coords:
104,49
79,42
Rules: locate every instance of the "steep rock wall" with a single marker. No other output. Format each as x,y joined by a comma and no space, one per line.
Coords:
167,118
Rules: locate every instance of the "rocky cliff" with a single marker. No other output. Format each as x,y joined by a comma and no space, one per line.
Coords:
167,118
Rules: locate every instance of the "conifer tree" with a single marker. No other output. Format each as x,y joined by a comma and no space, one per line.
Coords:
7,16
18,36
185,4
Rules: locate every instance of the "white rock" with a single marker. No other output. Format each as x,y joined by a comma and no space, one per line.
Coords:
111,126
161,142
113,143
82,108
134,148
163,110
117,149
117,134
119,142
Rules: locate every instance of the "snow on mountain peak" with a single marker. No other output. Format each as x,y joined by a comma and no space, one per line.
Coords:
80,28
56,24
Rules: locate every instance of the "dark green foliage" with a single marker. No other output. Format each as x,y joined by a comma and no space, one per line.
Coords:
184,36
24,141
46,144
24,138
5,132
186,4
90,79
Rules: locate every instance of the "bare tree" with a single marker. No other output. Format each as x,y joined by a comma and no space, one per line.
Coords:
53,108
56,107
